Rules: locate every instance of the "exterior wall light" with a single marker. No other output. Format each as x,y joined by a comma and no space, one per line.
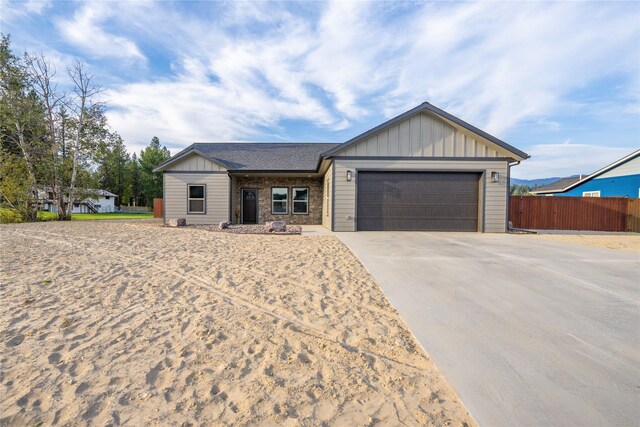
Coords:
349,175
495,176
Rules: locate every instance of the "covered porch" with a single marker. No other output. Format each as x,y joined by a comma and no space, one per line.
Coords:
297,199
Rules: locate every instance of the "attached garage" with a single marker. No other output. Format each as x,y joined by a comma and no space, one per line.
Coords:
417,201
424,170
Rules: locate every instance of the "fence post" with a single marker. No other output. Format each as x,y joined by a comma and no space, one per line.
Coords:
157,208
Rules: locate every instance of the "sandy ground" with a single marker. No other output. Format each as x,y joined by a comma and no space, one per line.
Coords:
108,323
622,242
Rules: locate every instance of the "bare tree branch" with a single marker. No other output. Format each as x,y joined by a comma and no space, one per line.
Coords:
42,75
84,89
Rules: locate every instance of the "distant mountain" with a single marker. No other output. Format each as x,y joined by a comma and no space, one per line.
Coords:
538,181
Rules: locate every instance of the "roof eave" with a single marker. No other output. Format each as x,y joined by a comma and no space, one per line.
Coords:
274,171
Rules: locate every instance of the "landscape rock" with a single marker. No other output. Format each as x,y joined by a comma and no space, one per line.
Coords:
223,225
177,222
277,226
247,229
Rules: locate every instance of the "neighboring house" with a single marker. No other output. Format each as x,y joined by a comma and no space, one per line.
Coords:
101,201
422,170
556,186
619,179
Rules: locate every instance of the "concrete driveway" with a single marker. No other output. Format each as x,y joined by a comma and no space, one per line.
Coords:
528,332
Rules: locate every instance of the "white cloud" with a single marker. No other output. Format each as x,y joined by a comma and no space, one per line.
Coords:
493,64
236,71
567,158
85,30
497,63
14,10
192,109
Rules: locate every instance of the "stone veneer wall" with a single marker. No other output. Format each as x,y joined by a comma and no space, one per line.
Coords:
264,184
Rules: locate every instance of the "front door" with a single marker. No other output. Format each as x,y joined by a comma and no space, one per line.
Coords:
249,206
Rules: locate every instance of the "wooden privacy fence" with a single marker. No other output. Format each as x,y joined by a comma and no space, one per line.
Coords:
157,208
633,215
575,213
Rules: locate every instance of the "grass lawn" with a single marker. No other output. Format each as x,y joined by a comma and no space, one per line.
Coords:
7,215
97,216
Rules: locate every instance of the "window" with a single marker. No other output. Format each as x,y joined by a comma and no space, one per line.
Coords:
106,197
279,197
196,199
590,194
300,201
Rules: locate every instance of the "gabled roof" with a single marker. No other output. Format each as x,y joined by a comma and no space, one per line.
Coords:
305,156
258,156
597,173
556,186
103,193
435,110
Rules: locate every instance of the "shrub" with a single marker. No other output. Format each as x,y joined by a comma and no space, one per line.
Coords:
47,216
8,216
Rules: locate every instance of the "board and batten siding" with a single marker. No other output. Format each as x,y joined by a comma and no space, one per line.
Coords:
327,195
195,163
424,135
492,195
217,196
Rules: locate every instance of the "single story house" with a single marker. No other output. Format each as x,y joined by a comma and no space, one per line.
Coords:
422,170
619,179
99,201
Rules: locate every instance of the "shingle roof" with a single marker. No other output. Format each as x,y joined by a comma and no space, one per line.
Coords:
558,185
261,156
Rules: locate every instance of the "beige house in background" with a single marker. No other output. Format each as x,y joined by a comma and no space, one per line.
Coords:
424,170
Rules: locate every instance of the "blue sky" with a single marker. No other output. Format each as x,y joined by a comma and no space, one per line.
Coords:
560,81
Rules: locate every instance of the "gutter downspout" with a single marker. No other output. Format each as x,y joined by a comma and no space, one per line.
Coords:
508,226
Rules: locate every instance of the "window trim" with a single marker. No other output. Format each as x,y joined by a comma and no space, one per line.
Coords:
595,193
293,201
204,199
286,212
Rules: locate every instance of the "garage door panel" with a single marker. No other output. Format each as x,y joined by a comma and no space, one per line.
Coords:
431,201
412,199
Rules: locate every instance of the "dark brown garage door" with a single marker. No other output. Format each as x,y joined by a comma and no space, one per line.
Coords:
426,201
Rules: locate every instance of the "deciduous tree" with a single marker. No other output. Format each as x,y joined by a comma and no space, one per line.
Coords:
85,108
22,130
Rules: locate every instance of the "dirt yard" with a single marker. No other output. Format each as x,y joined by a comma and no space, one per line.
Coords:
623,242
112,323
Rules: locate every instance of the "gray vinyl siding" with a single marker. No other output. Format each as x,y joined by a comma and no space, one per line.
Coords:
424,135
217,196
492,195
327,198
195,163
